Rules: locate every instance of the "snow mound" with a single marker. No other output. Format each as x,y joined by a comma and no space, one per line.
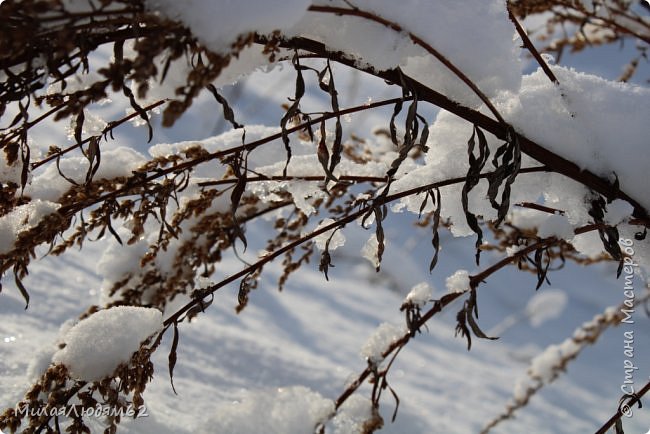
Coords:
598,124
286,410
98,344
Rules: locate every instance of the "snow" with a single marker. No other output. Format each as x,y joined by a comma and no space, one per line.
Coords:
285,339
21,219
351,416
219,23
546,366
369,250
99,343
582,126
337,238
546,305
618,211
556,225
285,410
543,365
493,65
380,340
301,191
278,366
593,114
512,250
419,295
9,173
589,244
458,282
50,185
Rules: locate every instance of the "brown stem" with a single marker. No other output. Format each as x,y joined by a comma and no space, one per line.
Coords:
337,224
448,299
29,124
554,161
108,129
529,45
71,209
350,178
636,398
92,14
539,207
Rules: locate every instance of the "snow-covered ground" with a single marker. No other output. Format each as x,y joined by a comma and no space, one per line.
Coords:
230,366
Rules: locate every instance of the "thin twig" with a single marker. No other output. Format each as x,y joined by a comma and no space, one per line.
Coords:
337,224
106,130
418,41
447,299
529,45
71,209
348,178
634,399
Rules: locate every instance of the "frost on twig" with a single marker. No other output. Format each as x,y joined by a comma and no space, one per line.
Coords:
552,362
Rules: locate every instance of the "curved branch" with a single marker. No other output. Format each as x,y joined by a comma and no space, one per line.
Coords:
348,178
110,127
418,41
554,161
447,299
71,209
382,200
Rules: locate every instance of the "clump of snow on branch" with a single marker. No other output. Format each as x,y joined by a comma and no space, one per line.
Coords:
98,344
21,219
351,416
9,173
545,365
494,63
618,211
369,250
582,125
336,241
593,114
419,295
380,340
118,261
219,25
458,282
